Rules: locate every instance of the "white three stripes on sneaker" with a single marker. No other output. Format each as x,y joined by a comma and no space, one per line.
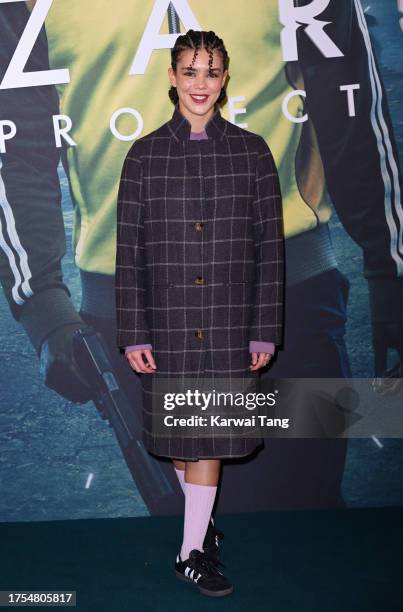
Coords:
190,573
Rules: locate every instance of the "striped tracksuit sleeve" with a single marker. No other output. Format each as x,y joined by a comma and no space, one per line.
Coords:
358,149
32,237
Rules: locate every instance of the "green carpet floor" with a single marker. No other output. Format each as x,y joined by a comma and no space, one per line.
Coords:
347,560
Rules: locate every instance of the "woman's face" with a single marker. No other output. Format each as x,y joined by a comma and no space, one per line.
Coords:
198,86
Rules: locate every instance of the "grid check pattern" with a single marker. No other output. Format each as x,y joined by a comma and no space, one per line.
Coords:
199,258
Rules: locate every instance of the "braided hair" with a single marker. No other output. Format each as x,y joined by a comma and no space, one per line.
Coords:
196,40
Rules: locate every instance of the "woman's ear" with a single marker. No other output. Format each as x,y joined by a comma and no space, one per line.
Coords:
171,76
225,75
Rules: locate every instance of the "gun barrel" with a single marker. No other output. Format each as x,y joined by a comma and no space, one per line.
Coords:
114,406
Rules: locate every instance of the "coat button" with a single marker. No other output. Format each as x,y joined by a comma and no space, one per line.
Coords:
199,226
199,333
199,280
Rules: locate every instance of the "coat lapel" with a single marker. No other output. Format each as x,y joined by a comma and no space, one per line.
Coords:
201,160
180,127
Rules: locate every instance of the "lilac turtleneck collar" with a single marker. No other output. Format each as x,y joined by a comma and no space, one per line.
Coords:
198,135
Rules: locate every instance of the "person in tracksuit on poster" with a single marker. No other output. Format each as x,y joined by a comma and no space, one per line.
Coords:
340,158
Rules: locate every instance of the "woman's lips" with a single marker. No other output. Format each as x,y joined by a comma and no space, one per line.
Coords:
199,99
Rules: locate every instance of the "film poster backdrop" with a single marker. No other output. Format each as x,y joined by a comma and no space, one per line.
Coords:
322,82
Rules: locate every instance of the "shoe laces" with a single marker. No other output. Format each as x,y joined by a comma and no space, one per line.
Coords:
205,561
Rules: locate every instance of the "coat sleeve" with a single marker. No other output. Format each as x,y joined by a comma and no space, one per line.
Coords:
267,314
130,290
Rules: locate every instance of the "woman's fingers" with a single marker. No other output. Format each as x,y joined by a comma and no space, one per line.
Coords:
136,361
135,358
150,358
259,360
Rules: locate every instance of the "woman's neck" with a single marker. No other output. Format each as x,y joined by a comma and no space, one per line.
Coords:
197,123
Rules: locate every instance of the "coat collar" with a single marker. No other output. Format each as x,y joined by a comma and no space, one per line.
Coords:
180,127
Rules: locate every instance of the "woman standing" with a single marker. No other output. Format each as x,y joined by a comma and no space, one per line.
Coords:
199,275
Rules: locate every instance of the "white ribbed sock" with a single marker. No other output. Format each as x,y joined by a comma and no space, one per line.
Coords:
199,501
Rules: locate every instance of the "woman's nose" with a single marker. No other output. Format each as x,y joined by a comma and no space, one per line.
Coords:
201,82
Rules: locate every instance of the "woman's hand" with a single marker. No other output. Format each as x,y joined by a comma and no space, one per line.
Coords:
259,360
136,361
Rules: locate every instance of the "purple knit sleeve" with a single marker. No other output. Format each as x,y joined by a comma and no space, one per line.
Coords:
261,347
137,347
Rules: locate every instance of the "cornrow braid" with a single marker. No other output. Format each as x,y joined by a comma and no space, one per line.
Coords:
196,40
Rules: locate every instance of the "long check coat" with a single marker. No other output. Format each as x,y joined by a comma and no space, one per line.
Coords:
199,262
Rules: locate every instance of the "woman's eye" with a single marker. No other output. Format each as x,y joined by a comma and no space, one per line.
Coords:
211,74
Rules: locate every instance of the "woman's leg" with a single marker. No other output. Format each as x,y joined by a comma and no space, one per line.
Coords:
200,487
203,471
179,464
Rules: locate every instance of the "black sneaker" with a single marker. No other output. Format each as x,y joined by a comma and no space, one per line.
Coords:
202,571
211,539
